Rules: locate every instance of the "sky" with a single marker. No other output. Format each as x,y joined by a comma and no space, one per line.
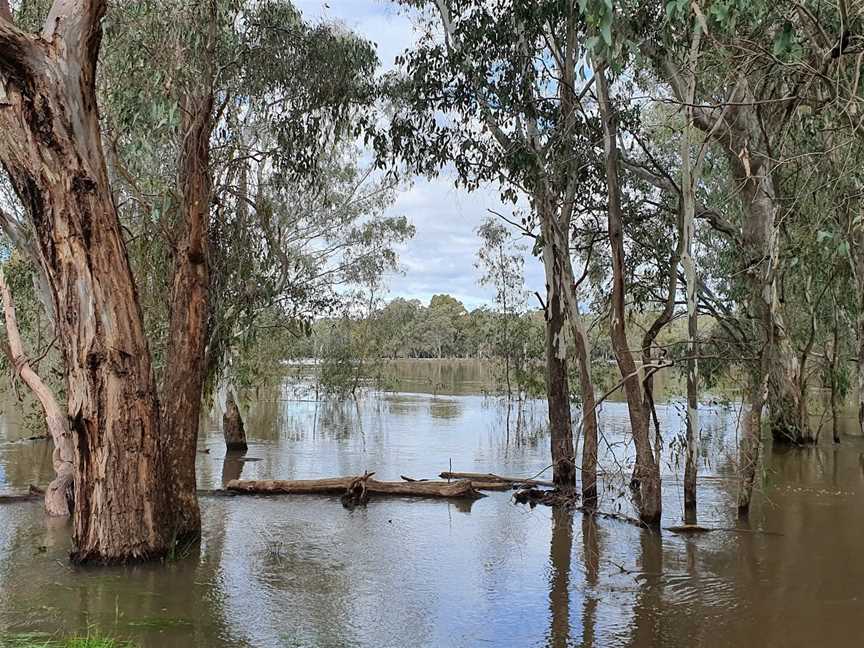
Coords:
441,256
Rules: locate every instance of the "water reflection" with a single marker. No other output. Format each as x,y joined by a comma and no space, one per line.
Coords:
305,572
232,466
560,552
444,408
591,559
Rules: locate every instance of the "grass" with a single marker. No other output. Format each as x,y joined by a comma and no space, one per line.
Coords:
42,641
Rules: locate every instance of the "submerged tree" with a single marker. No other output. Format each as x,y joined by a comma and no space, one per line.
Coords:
494,92
136,497
52,151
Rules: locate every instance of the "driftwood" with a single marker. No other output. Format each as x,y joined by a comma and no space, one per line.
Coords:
490,478
477,485
357,487
535,496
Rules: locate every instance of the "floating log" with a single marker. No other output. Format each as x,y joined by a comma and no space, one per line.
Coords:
340,485
490,478
13,498
477,485
690,528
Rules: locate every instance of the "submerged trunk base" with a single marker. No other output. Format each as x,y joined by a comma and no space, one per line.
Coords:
233,428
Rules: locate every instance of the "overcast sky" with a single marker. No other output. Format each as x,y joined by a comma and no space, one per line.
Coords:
440,258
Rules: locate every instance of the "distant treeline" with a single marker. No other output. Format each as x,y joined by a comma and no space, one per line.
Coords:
352,350
406,328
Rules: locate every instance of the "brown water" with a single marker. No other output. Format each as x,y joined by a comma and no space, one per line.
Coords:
303,571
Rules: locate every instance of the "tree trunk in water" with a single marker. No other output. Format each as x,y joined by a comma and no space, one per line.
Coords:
751,444
835,360
688,233
557,382
558,397
857,250
740,132
582,348
760,241
646,473
59,497
187,339
561,289
589,418
52,151
232,426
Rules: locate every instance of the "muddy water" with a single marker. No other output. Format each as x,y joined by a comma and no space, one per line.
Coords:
303,571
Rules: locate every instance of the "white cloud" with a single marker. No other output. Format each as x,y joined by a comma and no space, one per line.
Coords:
440,258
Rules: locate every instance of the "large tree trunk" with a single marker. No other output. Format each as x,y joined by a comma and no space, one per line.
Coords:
187,339
646,472
558,397
557,383
561,291
59,497
788,414
52,151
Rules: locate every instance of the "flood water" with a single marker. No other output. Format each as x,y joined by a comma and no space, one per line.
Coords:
304,571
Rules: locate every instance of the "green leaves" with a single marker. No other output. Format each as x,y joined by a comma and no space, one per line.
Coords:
676,8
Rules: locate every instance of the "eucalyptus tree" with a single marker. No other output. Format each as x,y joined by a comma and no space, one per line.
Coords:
502,264
285,214
493,92
182,85
746,108
52,151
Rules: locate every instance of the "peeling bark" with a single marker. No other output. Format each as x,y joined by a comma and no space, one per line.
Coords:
561,297
52,151
738,127
558,391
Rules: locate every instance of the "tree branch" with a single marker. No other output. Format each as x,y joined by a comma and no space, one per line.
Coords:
665,184
78,24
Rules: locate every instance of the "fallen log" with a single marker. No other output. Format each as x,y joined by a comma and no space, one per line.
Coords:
33,492
462,489
535,496
477,485
490,478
